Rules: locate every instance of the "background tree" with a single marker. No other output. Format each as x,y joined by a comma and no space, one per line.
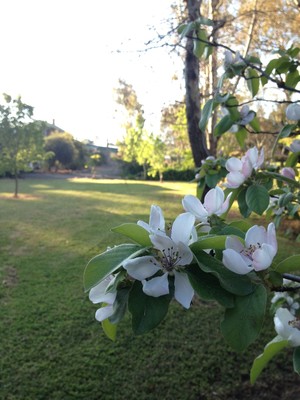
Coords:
63,147
21,138
174,128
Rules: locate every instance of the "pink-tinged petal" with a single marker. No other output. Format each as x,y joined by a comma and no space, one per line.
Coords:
233,164
255,235
141,268
247,167
193,205
182,228
234,179
184,291
263,257
234,243
104,313
295,146
252,155
185,254
288,172
156,220
157,286
161,241
235,262
224,206
213,200
98,293
261,158
271,237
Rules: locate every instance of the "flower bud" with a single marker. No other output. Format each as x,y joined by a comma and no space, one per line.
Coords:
293,112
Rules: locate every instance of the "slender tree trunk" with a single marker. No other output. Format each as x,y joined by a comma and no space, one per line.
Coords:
192,98
16,184
212,79
249,38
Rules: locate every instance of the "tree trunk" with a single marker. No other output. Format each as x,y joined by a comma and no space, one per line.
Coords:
16,184
192,98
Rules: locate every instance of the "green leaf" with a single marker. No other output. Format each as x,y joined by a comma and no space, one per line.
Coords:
109,329
255,124
252,81
205,21
205,114
242,224
120,305
290,264
106,263
257,198
292,79
242,324
292,160
219,98
185,29
199,43
147,311
209,242
223,125
240,285
134,232
270,350
208,287
241,136
296,360
286,131
243,207
232,107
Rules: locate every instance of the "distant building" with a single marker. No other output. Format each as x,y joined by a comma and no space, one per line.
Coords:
51,128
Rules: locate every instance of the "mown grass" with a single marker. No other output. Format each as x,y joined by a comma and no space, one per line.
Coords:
51,346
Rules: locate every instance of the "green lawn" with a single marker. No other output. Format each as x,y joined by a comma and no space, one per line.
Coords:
51,346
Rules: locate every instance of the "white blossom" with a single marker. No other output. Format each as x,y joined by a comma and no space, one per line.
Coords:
257,254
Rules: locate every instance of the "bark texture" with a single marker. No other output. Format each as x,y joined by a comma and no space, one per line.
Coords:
193,111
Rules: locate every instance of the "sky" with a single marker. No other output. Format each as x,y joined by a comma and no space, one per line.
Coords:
64,58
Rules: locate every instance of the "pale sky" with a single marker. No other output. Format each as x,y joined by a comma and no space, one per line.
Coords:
60,56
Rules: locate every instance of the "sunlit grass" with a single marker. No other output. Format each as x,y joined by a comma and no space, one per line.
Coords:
52,348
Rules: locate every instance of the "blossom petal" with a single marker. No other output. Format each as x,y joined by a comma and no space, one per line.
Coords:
233,164
261,158
213,200
263,257
247,167
288,172
234,243
224,206
185,254
184,291
104,312
255,235
234,179
295,146
282,320
193,205
157,286
98,293
271,237
182,228
142,267
161,242
252,155
235,262
156,220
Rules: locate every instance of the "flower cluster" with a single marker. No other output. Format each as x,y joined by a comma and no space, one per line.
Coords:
171,255
241,169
